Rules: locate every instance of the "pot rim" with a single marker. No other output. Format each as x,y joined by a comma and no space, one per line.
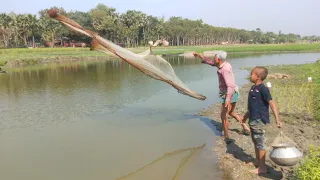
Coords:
283,145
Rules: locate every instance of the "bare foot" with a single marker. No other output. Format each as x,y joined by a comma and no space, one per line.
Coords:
253,164
259,171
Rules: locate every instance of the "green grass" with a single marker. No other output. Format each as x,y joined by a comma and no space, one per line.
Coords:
295,95
309,169
32,56
44,53
244,48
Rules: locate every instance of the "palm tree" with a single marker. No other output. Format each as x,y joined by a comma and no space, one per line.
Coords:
5,23
24,24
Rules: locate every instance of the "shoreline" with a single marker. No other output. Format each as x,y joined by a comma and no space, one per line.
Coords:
54,60
233,157
11,58
19,63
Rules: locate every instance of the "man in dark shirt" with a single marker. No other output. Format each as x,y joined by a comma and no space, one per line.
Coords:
259,100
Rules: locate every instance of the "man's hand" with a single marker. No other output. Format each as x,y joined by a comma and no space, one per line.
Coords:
195,54
279,124
227,105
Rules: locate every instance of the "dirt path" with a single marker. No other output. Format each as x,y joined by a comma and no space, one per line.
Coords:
232,157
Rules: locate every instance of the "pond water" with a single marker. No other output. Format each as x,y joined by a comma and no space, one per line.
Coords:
105,120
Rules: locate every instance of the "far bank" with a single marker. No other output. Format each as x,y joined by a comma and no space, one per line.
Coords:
24,56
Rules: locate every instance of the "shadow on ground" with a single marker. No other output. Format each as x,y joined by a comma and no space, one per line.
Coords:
236,151
240,154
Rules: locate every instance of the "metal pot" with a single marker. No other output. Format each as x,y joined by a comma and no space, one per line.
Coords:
285,155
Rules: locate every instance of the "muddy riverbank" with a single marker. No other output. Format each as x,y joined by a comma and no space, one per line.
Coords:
233,157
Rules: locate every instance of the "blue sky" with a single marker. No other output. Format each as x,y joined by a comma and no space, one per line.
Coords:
296,16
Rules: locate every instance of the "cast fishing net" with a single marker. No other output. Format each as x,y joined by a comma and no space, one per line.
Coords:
147,62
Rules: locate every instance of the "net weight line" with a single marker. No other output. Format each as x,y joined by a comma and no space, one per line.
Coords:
183,161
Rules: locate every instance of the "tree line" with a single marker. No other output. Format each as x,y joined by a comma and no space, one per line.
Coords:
130,29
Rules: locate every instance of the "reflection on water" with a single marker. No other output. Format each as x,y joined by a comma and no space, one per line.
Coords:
79,88
103,120
111,76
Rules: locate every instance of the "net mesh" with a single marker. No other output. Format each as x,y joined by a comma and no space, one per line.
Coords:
282,141
147,62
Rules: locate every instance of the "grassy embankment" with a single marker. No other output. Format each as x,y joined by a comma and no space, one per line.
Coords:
299,99
295,95
15,57
298,104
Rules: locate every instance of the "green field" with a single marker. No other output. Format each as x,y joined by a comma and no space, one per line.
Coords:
244,48
296,95
37,55
298,98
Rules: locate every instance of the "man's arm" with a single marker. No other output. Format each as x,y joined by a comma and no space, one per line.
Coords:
205,60
208,61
